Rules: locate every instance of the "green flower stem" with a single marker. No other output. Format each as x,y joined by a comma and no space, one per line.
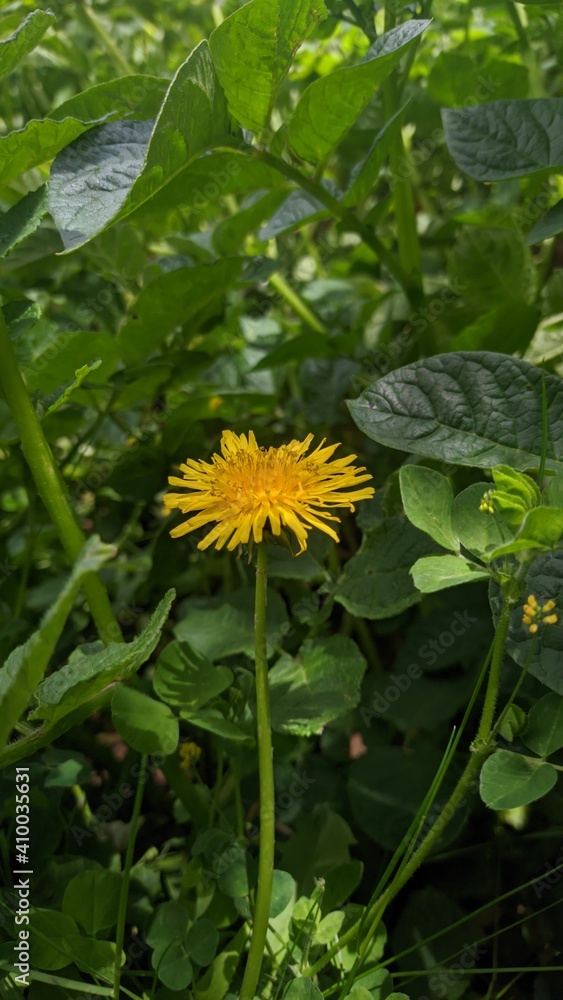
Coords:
298,305
122,908
49,482
480,750
266,775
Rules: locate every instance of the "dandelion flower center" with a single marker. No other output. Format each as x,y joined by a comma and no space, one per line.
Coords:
246,486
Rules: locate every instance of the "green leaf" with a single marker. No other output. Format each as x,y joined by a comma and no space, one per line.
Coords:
544,732
501,139
478,531
330,105
24,39
508,327
65,768
433,573
104,178
36,143
216,982
202,941
186,679
25,666
91,669
137,95
542,526
224,626
298,208
365,173
145,724
283,891
376,583
49,934
428,501
321,683
489,264
252,50
167,936
302,989
386,788
92,956
509,780
171,300
79,376
22,220
92,898
472,408
213,720
551,225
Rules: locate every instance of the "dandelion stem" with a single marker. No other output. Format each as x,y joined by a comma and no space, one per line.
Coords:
266,775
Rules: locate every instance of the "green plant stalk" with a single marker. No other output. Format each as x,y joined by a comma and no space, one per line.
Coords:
107,41
266,780
479,753
49,483
122,909
293,299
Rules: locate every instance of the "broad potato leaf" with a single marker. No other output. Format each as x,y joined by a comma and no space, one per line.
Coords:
433,573
330,105
24,39
36,143
501,139
170,301
186,679
468,408
507,328
252,50
428,500
376,583
22,220
95,183
145,724
25,666
318,685
509,780
544,580
544,731
298,208
489,264
89,671
138,96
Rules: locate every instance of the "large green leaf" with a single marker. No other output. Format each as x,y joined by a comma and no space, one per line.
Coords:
171,300
509,780
318,685
22,219
432,573
186,679
122,165
468,408
501,139
25,666
376,583
24,39
92,898
489,264
145,724
428,500
36,143
329,107
137,95
223,626
252,50
90,669
544,731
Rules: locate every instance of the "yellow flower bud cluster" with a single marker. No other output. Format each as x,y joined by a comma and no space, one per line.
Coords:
534,614
189,754
486,505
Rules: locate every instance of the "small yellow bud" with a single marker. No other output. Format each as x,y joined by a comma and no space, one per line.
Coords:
532,601
548,606
550,620
215,403
527,620
533,629
529,610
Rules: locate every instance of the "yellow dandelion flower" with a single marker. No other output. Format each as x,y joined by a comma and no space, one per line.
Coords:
246,486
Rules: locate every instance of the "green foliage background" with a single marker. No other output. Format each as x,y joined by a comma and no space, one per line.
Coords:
165,274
